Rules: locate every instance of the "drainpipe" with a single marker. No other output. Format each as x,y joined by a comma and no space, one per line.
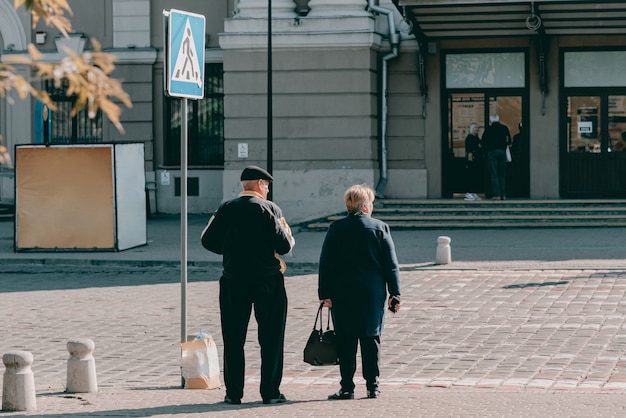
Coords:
394,40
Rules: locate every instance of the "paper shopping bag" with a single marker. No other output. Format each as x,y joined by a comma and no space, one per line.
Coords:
199,363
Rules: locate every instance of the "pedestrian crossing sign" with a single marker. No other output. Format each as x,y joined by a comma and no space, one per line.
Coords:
184,54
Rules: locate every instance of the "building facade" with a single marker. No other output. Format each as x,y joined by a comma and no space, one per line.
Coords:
362,91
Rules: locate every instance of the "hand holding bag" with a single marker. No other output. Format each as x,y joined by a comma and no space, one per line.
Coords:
321,349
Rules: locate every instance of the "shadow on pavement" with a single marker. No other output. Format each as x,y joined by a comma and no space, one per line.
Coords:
31,277
523,285
178,409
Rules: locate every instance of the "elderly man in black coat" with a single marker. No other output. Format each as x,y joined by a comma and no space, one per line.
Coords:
250,231
358,273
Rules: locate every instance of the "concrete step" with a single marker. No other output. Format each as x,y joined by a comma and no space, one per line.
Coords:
453,213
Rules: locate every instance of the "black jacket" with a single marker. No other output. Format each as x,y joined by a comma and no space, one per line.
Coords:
496,136
247,231
472,145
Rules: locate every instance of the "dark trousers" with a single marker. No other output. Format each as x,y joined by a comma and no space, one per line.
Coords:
269,299
496,161
370,360
474,176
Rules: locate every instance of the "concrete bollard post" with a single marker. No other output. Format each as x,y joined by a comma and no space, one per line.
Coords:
18,383
81,367
444,252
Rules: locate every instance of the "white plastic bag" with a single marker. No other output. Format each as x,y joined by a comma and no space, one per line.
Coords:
199,363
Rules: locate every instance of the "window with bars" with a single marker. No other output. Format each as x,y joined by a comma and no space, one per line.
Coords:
68,129
205,124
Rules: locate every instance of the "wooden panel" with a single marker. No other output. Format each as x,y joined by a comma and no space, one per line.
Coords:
64,198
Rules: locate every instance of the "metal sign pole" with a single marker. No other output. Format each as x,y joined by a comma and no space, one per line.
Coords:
183,222
184,77
270,134
183,226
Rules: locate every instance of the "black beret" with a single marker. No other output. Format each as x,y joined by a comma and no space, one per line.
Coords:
252,172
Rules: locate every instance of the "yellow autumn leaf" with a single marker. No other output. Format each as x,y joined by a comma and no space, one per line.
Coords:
86,75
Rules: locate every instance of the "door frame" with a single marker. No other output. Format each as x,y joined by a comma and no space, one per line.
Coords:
589,175
451,165
449,184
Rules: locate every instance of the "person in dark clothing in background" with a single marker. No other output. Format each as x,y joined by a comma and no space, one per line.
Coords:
520,169
496,139
251,232
473,163
358,272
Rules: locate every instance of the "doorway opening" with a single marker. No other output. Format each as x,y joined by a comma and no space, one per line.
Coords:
467,108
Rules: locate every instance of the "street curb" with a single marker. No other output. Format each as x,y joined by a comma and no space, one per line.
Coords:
305,266
310,267
95,262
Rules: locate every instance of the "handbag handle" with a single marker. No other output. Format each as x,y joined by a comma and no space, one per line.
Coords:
319,317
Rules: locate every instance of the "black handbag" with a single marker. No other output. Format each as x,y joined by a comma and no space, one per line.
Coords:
321,348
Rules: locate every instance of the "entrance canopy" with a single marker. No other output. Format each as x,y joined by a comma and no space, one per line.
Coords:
441,19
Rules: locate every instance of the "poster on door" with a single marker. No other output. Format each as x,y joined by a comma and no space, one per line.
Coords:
466,109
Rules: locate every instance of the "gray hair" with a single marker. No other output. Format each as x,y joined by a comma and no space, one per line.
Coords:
357,196
494,118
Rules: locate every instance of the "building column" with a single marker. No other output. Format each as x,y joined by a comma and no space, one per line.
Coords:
338,8
258,8
324,78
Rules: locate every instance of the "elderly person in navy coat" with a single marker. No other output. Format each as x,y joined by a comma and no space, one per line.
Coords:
358,276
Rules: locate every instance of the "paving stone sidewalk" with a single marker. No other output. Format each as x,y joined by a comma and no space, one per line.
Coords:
522,323
466,343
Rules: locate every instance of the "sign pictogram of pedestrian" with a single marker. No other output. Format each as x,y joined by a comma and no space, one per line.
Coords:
185,54
186,68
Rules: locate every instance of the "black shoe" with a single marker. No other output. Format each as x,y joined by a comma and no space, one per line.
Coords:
373,394
341,395
232,401
281,399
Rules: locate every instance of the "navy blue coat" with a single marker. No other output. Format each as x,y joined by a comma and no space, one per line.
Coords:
358,269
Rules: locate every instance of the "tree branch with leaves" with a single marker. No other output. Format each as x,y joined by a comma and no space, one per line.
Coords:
88,75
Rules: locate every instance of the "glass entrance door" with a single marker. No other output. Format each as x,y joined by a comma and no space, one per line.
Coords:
593,164
464,109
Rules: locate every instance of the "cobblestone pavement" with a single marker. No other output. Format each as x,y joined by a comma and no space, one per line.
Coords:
468,342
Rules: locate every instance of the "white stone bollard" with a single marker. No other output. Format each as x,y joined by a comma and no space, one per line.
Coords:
18,384
81,367
444,252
